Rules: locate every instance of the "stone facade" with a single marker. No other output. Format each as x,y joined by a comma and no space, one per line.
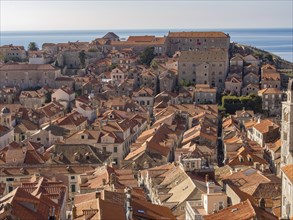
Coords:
271,101
204,94
11,51
287,127
233,84
192,41
28,75
203,67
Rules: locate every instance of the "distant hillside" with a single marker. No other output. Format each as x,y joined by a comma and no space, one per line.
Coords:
264,56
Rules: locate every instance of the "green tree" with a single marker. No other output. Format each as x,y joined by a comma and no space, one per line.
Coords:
48,97
269,57
183,82
114,65
82,56
234,103
154,64
147,56
32,46
56,63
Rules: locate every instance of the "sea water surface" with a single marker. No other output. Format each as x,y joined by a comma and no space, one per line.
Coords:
275,40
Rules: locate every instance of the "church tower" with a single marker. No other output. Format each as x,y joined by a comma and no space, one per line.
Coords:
5,117
287,127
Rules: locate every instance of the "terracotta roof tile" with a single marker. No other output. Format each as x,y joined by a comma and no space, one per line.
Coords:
288,171
242,211
197,34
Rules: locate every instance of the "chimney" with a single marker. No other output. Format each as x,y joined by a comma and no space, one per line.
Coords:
271,127
112,178
208,130
180,158
74,215
128,206
207,178
210,187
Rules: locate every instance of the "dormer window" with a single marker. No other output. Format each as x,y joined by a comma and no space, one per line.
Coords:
76,156
87,156
82,137
249,158
241,159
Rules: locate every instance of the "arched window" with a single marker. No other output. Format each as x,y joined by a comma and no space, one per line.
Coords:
262,203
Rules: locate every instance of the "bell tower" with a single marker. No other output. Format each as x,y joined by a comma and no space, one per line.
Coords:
5,117
287,127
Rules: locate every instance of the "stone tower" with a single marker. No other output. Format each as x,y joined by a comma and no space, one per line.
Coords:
5,117
287,127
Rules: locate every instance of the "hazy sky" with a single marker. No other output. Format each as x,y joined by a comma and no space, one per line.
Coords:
72,15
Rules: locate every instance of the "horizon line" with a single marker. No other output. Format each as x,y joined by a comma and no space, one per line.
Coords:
121,29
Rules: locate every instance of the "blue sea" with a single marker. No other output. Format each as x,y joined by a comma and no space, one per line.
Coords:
278,40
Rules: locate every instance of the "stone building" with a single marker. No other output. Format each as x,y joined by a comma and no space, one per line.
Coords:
287,128
148,78
32,99
271,101
203,67
193,41
6,130
167,80
270,80
10,51
28,75
204,94
287,154
250,78
8,95
139,43
250,89
233,84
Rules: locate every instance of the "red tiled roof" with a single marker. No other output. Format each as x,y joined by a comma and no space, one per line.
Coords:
197,34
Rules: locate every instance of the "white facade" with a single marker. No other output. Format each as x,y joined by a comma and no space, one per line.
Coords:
60,94
287,153
287,128
117,75
39,60
6,138
287,197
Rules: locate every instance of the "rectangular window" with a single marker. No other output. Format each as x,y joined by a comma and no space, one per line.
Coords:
72,177
73,189
115,149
